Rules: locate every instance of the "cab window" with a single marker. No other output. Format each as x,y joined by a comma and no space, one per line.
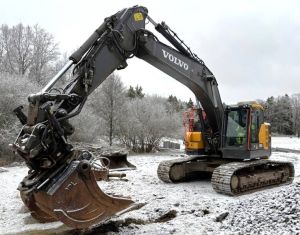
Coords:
236,131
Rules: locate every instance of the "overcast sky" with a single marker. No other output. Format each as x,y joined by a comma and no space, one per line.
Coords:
252,47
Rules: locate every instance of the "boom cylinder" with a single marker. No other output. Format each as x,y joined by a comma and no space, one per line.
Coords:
160,28
77,55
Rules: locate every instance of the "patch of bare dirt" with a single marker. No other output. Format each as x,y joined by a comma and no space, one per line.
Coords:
115,226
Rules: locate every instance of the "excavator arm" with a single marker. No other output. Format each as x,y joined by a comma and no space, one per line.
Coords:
61,182
193,74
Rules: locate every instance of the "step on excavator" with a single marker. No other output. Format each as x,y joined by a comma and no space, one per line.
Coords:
61,184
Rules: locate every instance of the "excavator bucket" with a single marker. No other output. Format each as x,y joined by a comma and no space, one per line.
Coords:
113,157
74,198
117,160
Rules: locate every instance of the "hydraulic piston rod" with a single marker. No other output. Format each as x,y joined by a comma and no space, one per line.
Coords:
57,76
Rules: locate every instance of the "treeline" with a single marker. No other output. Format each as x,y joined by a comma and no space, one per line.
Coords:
283,112
114,113
128,116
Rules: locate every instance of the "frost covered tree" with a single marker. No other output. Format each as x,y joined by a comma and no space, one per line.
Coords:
281,114
13,93
109,104
45,51
295,100
26,50
16,48
146,122
173,104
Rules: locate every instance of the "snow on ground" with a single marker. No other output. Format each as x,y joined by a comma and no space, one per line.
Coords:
185,208
286,142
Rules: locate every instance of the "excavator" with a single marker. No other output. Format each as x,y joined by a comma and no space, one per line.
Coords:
61,182
246,144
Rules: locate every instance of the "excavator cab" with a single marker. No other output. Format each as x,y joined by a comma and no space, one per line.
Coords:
246,135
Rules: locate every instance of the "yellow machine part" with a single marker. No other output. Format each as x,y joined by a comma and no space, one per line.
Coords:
253,104
194,140
264,135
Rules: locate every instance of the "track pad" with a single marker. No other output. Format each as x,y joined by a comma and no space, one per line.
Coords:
76,200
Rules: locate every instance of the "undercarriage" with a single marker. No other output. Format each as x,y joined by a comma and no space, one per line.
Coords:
228,176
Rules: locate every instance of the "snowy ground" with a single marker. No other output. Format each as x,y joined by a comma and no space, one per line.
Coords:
286,142
185,208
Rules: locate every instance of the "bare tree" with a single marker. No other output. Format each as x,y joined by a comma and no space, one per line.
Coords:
1,51
110,103
26,49
22,47
146,123
7,64
17,48
44,52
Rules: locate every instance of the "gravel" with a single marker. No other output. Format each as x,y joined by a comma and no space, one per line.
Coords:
276,212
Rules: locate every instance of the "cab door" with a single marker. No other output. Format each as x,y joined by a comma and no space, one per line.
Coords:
235,128
255,124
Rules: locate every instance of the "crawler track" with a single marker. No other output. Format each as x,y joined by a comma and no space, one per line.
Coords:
231,178
240,177
164,170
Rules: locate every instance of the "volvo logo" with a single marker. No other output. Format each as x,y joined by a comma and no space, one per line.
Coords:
175,60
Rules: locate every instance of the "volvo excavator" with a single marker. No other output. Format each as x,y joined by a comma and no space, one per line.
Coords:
61,183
